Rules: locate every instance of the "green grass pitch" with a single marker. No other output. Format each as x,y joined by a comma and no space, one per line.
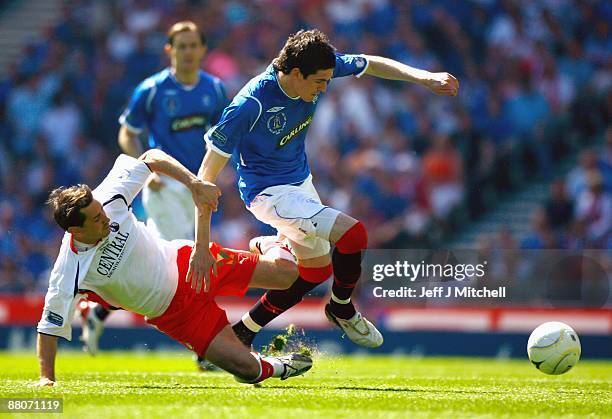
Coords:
166,385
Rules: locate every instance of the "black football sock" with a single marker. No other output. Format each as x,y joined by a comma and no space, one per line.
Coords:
347,270
272,304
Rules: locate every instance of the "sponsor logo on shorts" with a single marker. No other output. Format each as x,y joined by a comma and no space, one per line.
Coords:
295,131
277,122
55,318
359,62
187,122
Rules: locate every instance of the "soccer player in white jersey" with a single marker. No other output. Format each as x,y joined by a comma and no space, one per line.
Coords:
175,107
264,128
107,254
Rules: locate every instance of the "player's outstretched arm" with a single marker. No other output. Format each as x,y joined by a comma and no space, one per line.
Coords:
439,83
46,348
201,260
204,193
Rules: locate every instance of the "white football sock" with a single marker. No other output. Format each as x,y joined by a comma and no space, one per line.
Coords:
339,301
250,323
277,365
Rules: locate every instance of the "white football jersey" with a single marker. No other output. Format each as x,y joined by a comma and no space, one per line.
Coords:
131,268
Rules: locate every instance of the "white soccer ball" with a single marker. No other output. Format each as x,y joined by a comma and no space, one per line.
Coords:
554,348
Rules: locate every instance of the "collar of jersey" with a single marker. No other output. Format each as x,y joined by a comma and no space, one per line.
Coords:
185,87
94,246
281,87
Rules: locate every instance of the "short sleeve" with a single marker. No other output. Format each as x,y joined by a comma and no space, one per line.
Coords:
126,179
236,120
135,115
350,65
60,299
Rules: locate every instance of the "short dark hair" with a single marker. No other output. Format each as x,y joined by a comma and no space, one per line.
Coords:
309,51
66,205
184,26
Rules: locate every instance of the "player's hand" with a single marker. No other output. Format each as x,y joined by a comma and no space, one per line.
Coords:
444,84
155,182
205,194
44,382
201,263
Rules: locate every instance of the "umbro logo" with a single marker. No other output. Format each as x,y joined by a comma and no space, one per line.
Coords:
275,109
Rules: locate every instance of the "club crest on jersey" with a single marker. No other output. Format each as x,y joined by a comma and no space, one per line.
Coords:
171,105
295,131
114,227
277,123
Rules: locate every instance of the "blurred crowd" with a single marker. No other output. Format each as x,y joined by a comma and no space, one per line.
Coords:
535,88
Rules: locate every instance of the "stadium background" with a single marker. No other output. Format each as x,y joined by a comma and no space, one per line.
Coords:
503,168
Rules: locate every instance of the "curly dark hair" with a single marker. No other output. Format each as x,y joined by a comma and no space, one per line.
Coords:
66,205
309,51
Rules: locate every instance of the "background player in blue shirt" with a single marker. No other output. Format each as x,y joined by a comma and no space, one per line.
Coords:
264,128
176,106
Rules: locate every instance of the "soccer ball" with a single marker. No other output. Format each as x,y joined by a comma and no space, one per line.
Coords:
554,348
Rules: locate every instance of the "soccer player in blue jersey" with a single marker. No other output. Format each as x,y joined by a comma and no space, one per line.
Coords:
175,106
264,128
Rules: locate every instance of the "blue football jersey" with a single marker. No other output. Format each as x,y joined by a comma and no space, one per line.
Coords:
264,129
176,116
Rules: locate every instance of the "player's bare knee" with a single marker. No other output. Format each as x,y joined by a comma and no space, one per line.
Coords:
286,273
354,239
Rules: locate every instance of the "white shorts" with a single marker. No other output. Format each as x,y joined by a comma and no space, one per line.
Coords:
170,211
296,212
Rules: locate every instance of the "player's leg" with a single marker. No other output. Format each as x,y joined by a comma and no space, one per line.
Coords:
299,215
229,353
312,272
290,209
236,272
271,273
351,239
274,273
